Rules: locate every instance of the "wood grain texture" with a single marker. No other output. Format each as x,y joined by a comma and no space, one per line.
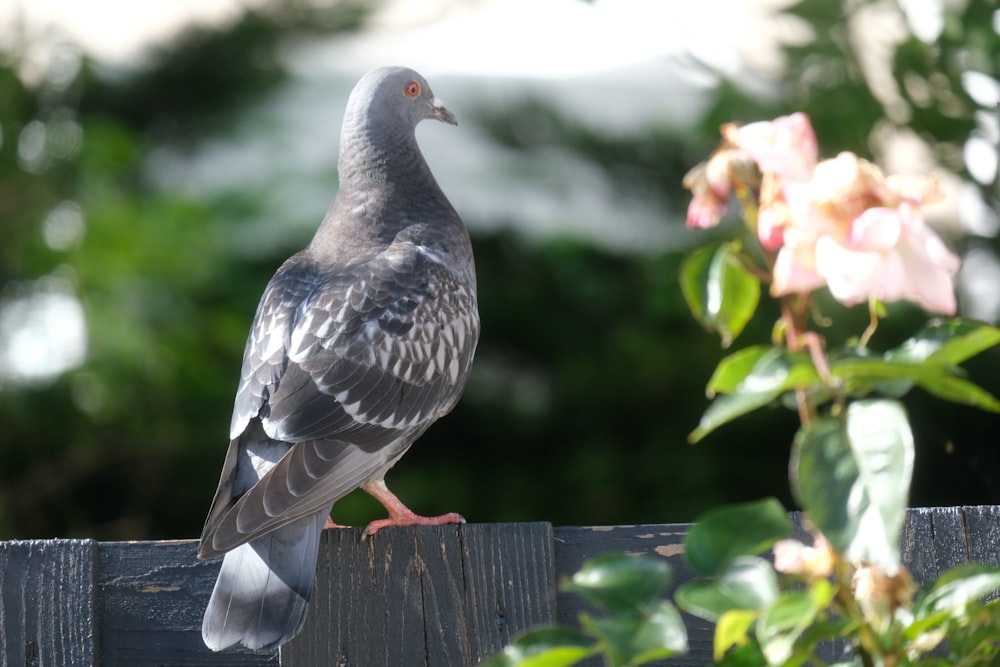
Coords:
47,602
982,534
511,582
938,538
153,595
446,595
933,541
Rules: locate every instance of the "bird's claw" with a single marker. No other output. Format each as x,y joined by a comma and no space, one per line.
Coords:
411,520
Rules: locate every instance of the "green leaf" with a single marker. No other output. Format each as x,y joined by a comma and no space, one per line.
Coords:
864,374
783,623
774,372
822,593
852,477
546,647
748,655
725,409
957,588
779,369
830,628
748,584
733,369
974,636
621,583
695,270
635,639
614,635
662,635
719,536
721,293
948,342
732,630
955,596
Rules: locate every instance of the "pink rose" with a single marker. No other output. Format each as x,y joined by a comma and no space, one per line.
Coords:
785,146
839,222
862,235
785,151
793,557
711,181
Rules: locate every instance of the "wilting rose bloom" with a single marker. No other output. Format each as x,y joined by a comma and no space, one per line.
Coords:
785,151
879,594
838,223
863,236
793,557
784,147
711,182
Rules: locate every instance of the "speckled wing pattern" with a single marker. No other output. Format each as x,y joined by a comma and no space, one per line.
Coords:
349,367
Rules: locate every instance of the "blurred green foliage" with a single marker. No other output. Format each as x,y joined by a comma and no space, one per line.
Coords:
590,372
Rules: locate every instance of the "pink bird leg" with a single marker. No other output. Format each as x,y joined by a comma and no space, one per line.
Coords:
400,514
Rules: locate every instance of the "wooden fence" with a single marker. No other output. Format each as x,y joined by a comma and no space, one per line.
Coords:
441,596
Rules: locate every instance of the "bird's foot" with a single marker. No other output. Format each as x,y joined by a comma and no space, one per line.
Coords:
400,514
330,524
411,519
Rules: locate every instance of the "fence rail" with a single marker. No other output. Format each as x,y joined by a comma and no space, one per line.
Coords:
438,596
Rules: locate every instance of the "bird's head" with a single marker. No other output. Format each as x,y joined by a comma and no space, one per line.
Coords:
400,94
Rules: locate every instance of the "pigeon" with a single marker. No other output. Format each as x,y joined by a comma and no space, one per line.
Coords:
360,342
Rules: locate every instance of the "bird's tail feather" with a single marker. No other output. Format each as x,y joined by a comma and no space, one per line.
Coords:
263,589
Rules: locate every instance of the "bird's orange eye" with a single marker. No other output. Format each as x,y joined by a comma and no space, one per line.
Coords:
412,89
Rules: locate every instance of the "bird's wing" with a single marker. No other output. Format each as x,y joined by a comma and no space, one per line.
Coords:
387,351
348,378
265,357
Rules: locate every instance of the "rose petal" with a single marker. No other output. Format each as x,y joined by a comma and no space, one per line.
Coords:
770,226
785,146
794,271
918,267
876,228
849,181
850,274
788,556
921,190
931,244
929,267
705,211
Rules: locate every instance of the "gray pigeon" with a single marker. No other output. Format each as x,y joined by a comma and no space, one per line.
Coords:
360,342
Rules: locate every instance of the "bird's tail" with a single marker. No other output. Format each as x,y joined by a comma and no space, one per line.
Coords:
263,589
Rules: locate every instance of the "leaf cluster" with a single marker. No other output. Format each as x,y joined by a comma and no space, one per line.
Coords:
639,625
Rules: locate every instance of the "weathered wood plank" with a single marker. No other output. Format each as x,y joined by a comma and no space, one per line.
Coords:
153,595
510,582
47,602
425,596
982,533
450,595
933,540
349,620
938,538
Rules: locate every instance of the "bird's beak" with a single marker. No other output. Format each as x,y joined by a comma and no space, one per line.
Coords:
438,112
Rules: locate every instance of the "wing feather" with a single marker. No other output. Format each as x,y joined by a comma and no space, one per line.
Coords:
344,370
384,362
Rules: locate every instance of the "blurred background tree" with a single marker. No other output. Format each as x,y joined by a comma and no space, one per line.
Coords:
127,289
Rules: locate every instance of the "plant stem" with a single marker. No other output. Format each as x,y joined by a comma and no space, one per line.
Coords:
867,644
872,323
794,311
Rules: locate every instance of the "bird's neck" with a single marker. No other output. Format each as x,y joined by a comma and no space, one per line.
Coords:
385,184
371,160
